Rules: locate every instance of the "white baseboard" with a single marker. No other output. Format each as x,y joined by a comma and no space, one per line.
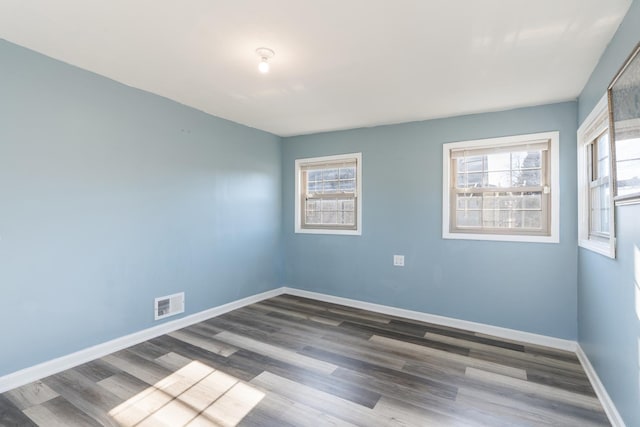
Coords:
34,373
608,405
510,334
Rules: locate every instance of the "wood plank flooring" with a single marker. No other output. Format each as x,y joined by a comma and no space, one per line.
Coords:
291,361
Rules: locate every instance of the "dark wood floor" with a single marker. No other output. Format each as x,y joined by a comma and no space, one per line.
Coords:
290,361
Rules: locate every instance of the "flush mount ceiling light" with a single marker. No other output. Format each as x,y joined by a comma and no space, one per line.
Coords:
265,54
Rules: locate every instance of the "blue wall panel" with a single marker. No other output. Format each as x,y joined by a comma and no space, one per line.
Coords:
111,196
525,286
609,290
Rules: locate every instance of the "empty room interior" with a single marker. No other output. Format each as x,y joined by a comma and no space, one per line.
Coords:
295,213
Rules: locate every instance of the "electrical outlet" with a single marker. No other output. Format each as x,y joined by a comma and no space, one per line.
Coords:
398,260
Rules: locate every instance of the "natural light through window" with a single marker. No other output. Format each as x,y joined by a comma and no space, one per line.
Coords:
596,228
196,395
501,188
328,194
628,164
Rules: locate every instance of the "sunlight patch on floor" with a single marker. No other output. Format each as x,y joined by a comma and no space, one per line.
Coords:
196,395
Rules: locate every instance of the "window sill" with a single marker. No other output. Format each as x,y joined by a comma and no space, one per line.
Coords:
299,230
501,237
603,248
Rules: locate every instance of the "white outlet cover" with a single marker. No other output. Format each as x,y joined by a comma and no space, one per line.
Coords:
398,260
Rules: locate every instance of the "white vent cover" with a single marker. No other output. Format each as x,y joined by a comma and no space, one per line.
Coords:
168,306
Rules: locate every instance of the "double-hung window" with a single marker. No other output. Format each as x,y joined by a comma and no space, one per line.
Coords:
502,189
595,196
328,194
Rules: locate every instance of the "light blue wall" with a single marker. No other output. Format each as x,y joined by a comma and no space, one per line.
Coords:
109,197
608,291
525,286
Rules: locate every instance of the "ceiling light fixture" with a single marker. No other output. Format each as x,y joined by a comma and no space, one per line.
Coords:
265,54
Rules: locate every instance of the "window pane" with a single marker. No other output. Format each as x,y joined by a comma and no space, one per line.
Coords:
330,174
471,164
627,149
526,159
532,201
603,155
348,185
313,205
469,218
507,201
346,205
474,180
349,218
527,178
600,209
313,217
469,201
329,205
532,219
330,217
628,179
500,170
330,186
314,187
506,210
314,175
498,162
347,173
499,179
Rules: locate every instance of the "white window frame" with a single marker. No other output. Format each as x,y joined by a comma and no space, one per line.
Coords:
554,197
593,126
299,165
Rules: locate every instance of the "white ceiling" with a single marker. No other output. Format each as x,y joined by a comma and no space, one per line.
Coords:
339,63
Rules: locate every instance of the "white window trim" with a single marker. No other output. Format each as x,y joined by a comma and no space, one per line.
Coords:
593,126
298,177
554,164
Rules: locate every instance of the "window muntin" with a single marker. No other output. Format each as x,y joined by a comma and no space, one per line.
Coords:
503,189
328,194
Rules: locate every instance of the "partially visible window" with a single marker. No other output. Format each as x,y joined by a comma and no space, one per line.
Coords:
595,197
328,198
628,157
501,189
599,186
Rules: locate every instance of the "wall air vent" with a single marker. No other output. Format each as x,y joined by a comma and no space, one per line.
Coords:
168,306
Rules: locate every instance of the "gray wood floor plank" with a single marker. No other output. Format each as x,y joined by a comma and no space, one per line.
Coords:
85,395
276,352
418,351
239,368
325,383
401,413
123,385
292,361
339,408
32,394
289,414
137,366
528,387
59,412
524,412
11,416
207,343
